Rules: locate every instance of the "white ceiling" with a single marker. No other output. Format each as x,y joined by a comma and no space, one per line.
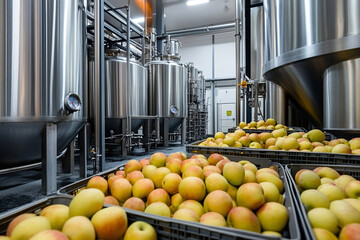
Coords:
180,16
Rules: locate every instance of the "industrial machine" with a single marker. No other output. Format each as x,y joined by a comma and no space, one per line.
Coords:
117,96
168,90
197,109
42,76
310,49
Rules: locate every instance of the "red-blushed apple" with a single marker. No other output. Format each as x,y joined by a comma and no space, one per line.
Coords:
121,189
186,214
350,232
159,175
134,176
250,195
135,203
57,214
158,195
213,219
211,202
140,230
158,208
110,223
17,220
352,189
144,162
79,227
143,188
189,162
243,218
50,235
99,183
193,205
171,183
111,200
174,165
193,171
192,188
132,165
215,158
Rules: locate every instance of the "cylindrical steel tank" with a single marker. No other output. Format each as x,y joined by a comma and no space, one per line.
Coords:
275,101
342,98
302,39
168,91
116,95
42,60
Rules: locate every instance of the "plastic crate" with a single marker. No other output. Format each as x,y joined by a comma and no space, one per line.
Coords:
292,169
292,231
295,129
283,157
166,228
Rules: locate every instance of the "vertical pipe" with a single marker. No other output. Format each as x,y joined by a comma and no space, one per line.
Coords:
213,84
238,9
159,24
128,74
247,53
99,89
143,38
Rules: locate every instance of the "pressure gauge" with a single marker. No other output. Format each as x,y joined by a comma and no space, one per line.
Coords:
72,102
173,109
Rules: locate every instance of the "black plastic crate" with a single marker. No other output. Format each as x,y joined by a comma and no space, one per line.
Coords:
283,157
292,169
166,228
292,231
295,129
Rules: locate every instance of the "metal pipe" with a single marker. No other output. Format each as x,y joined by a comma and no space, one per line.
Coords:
256,100
238,5
129,83
99,89
199,30
213,84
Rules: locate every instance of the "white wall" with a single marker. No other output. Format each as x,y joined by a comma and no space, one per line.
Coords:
199,49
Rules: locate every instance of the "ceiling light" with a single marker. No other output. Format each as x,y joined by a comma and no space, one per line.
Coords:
138,20
196,2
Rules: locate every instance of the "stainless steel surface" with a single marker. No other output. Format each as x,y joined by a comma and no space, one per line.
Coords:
49,161
341,96
116,94
168,89
238,29
98,92
42,59
171,48
302,39
128,77
275,102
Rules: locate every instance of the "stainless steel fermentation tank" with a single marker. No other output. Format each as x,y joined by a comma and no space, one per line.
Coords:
342,98
275,100
303,39
117,96
42,60
168,92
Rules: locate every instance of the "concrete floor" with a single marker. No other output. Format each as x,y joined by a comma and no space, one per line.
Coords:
19,188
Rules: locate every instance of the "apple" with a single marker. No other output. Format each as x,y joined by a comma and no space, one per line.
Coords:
140,230
314,199
323,218
192,188
219,135
110,223
158,195
194,206
134,176
159,175
323,234
30,227
250,195
234,173
17,220
57,214
174,165
255,145
121,189
144,162
215,158
352,189
132,165
158,208
243,218
344,212
273,216
216,181
308,180
343,180
326,172
189,162
186,214
211,202
111,200
213,219
158,159
50,235
171,183
143,188
316,135
135,204
148,171
99,183
350,232
87,202
79,227
193,171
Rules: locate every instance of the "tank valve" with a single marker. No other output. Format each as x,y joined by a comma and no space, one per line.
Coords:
72,102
